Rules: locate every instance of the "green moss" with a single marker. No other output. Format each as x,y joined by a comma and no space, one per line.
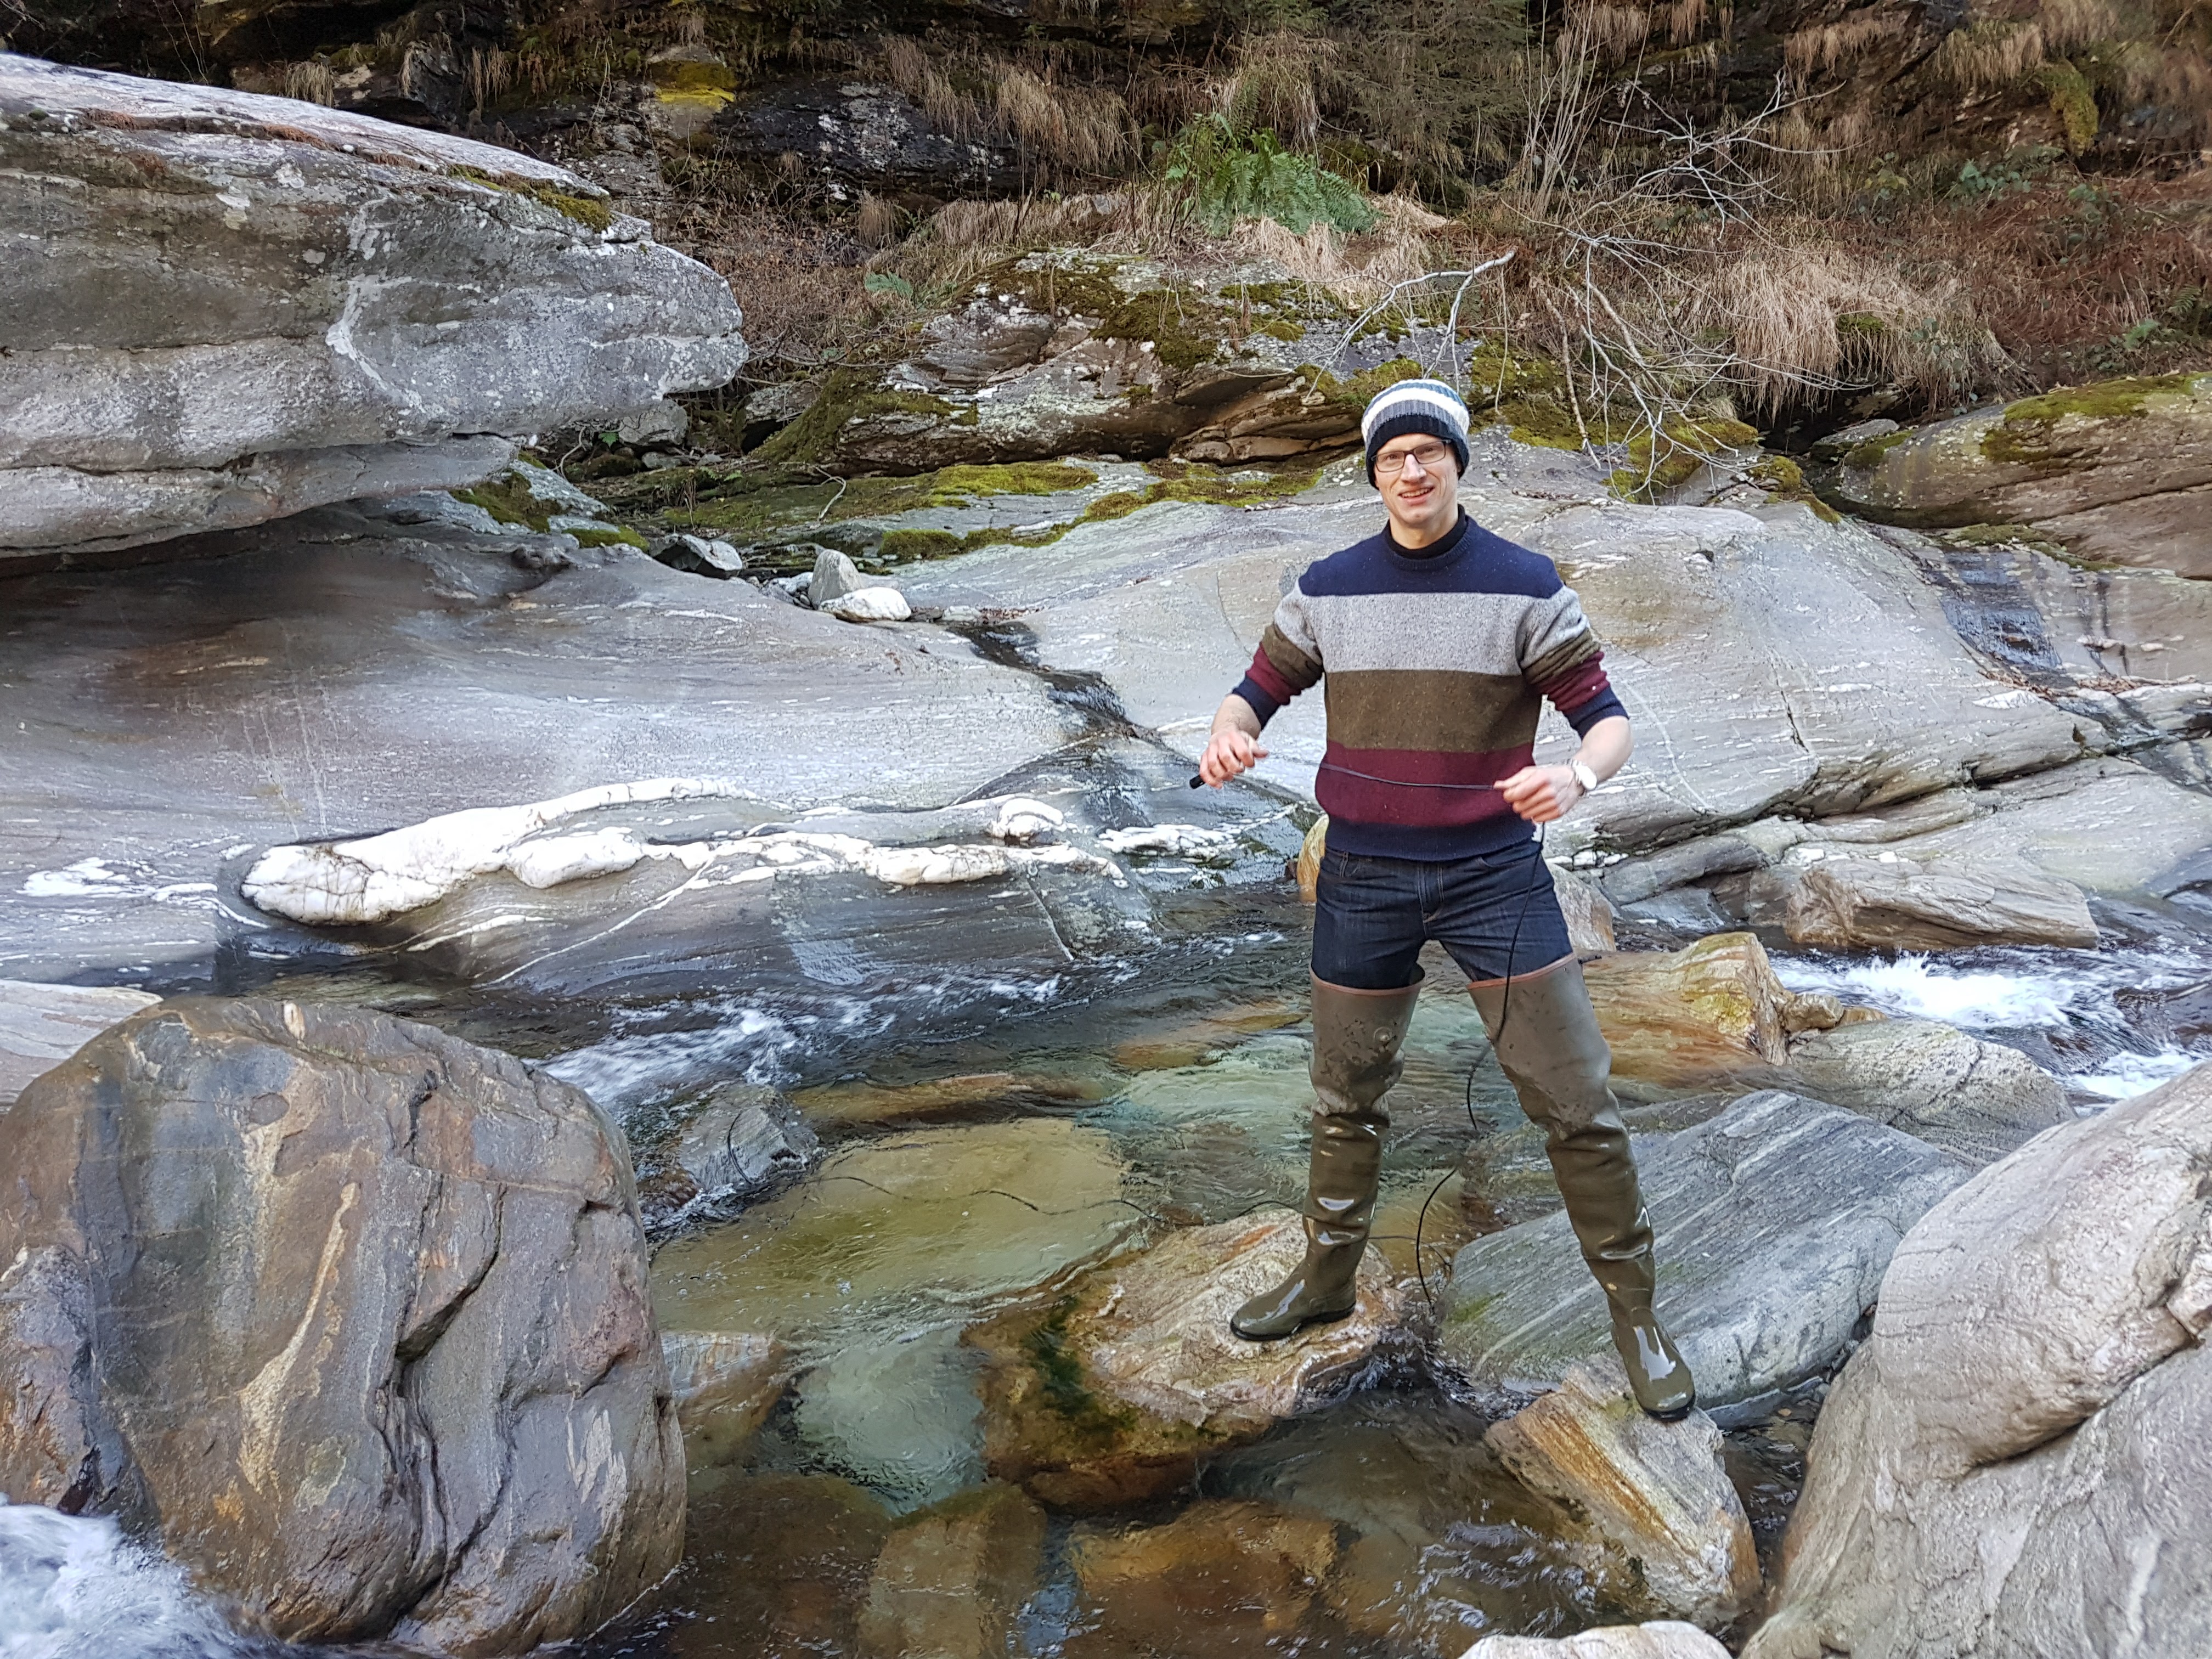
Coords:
1187,328
1119,505
1189,481
1280,328
903,544
1784,479
593,214
2073,102
1864,455
848,395
1061,1379
1352,393
1669,458
614,538
2023,436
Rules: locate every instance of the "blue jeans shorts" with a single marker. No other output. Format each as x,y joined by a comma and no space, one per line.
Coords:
1495,913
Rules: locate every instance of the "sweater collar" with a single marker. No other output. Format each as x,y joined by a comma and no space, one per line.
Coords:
1437,555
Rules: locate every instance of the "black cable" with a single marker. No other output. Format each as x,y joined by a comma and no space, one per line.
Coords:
1505,1009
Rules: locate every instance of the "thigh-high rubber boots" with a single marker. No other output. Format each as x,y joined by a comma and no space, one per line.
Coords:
1356,1039
1549,1047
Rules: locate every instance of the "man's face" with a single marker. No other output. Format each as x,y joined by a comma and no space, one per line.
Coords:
1418,477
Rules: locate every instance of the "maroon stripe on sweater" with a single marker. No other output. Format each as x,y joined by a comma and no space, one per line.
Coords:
1269,678
1582,684
1408,785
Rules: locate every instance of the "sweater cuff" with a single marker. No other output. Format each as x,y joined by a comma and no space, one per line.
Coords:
1603,706
1262,705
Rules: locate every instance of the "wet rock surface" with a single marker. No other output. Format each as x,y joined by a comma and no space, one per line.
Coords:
1653,1495
41,1025
1774,1221
951,1581
1230,1577
1895,904
1975,1099
351,1313
1998,1469
1118,1391
1662,1638
315,307
724,1384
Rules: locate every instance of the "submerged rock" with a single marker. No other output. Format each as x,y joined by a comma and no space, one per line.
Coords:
353,1314
1895,904
43,1024
724,1384
952,1579
741,1139
2009,1462
1774,1221
313,305
2121,472
1225,1579
1117,1392
780,1563
1653,1495
1662,1638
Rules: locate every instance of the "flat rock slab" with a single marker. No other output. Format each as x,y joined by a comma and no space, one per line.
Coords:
1775,1222
1895,904
349,1314
2010,1463
1117,1391
1662,1638
1976,1100
41,1025
1653,1495
1230,1577
952,1579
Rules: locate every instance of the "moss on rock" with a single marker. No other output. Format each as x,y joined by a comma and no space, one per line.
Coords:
848,395
2023,436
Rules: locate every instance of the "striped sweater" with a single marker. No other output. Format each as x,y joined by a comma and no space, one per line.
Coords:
1436,665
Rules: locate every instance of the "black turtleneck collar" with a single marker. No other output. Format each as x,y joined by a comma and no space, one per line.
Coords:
1436,550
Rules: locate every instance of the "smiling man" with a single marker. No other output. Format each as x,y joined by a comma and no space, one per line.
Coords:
1440,642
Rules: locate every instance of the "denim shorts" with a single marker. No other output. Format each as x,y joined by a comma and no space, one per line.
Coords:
1495,913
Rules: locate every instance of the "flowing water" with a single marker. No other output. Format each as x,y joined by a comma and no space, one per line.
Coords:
988,1132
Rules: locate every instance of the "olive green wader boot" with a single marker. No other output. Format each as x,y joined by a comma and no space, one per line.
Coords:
1356,1039
1552,1051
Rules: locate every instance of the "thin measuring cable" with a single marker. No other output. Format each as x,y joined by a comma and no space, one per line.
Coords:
1540,875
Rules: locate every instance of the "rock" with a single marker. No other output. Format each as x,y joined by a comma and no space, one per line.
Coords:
769,409
1653,1494
899,1416
865,604
1228,1577
352,1312
972,1094
1774,1221
2005,1465
834,576
781,1564
859,133
41,1024
742,1139
1116,1393
1662,1638
2120,471
951,1580
1844,438
699,555
1710,1015
726,1384
1190,1042
315,305
1588,914
1846,904
1977,1100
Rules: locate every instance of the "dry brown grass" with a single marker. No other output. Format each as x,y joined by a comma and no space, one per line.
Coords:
311,82
1066,131
1835,45
1354,271
1276,84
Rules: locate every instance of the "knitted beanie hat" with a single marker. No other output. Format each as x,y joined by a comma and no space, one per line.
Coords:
1429,406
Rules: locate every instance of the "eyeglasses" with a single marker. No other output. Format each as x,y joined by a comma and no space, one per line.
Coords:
1392,462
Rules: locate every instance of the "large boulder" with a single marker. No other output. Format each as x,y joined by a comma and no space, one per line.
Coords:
2121,472
351,1313
1977,1100
1775,1222
1894,903
225,307
2011,1464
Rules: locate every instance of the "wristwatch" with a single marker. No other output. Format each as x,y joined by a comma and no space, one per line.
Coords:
1583,775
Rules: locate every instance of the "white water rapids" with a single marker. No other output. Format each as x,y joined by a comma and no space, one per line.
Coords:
75,1588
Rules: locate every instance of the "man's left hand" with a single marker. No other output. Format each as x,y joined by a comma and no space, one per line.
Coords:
1541,793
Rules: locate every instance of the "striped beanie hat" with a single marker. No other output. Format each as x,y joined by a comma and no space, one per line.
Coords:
1429,406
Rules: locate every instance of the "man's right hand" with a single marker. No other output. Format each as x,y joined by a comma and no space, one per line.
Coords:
1229,752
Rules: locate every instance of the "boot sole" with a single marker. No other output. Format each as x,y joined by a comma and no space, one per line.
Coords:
1674,1416
1284,1336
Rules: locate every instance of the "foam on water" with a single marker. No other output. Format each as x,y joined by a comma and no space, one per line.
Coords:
2022,991
75,1588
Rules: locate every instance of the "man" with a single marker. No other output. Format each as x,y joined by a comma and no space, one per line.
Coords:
1439,641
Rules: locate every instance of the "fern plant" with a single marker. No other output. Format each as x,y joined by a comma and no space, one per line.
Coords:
1227,175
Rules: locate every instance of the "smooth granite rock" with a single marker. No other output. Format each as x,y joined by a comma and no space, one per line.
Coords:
2012,1463
1664,1638
349,1314
41,1025
1897,904
1975,1099
1774,1220
313,305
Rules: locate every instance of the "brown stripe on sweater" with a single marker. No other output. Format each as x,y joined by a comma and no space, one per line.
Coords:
1562,657
1448,710
1292,663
